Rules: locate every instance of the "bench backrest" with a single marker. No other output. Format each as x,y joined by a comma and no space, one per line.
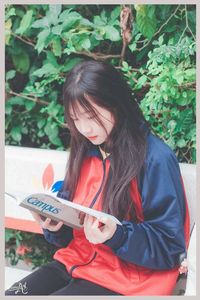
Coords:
188,172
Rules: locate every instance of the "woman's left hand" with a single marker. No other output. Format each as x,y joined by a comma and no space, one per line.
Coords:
95,233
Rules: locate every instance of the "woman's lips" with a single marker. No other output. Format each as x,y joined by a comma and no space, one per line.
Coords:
92,137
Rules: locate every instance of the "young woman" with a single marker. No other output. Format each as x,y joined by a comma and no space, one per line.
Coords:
118,166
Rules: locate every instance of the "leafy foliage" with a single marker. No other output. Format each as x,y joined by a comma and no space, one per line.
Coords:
169,105
32,248
43,42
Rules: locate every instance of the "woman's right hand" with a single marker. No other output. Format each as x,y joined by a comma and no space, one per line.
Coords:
47,223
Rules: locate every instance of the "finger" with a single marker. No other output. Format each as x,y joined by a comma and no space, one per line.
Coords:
95,223
46,223
86,224
81,217
91,219
104,220
88,220
58,226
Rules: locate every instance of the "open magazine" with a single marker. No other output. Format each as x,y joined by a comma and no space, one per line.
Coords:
58,209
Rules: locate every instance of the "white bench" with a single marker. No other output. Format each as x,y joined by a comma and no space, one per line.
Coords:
29,169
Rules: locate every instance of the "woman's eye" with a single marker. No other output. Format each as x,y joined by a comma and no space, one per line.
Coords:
90,118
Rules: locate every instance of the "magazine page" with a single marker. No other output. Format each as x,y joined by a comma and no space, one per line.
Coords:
58,209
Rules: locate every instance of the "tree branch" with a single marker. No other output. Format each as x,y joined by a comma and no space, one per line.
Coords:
187,26
126,21
34,99
23,40
63,125
98,55
157,32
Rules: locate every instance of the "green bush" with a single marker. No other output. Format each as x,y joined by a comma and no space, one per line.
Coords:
43,42
31,248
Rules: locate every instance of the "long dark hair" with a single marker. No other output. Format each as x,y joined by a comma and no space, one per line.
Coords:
102,83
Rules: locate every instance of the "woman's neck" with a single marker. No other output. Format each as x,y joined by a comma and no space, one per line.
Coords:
103,153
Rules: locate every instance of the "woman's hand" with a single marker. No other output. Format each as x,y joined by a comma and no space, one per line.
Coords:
96,232
47,223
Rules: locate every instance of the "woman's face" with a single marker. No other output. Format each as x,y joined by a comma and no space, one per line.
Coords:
89,127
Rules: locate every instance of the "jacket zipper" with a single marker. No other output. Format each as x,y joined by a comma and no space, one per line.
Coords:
76,266
100,189
91,205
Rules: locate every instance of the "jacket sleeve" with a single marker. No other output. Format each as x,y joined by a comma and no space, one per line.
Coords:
60,238
64,235
158,242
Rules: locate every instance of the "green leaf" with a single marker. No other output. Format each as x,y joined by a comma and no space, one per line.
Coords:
125,66
8,31
141,81
40,133
16,134
8,108
41,23
85,43
111,33
24,130
181,143
10,74
29,105
64,15
53,108
57,29
183,101
41,123
178,75
98,21
164,86
10,13
56,46
68,14
52,132
21,62
171,125
81,41
55,10
132,46
84,23
146,20
42,37
9,235
48,129
70,63
16,100
114,15
190,74
186,118
193,155
71,22
192,134
25,22
55,140
51,59
46,70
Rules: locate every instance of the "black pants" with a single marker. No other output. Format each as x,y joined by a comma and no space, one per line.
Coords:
53,279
